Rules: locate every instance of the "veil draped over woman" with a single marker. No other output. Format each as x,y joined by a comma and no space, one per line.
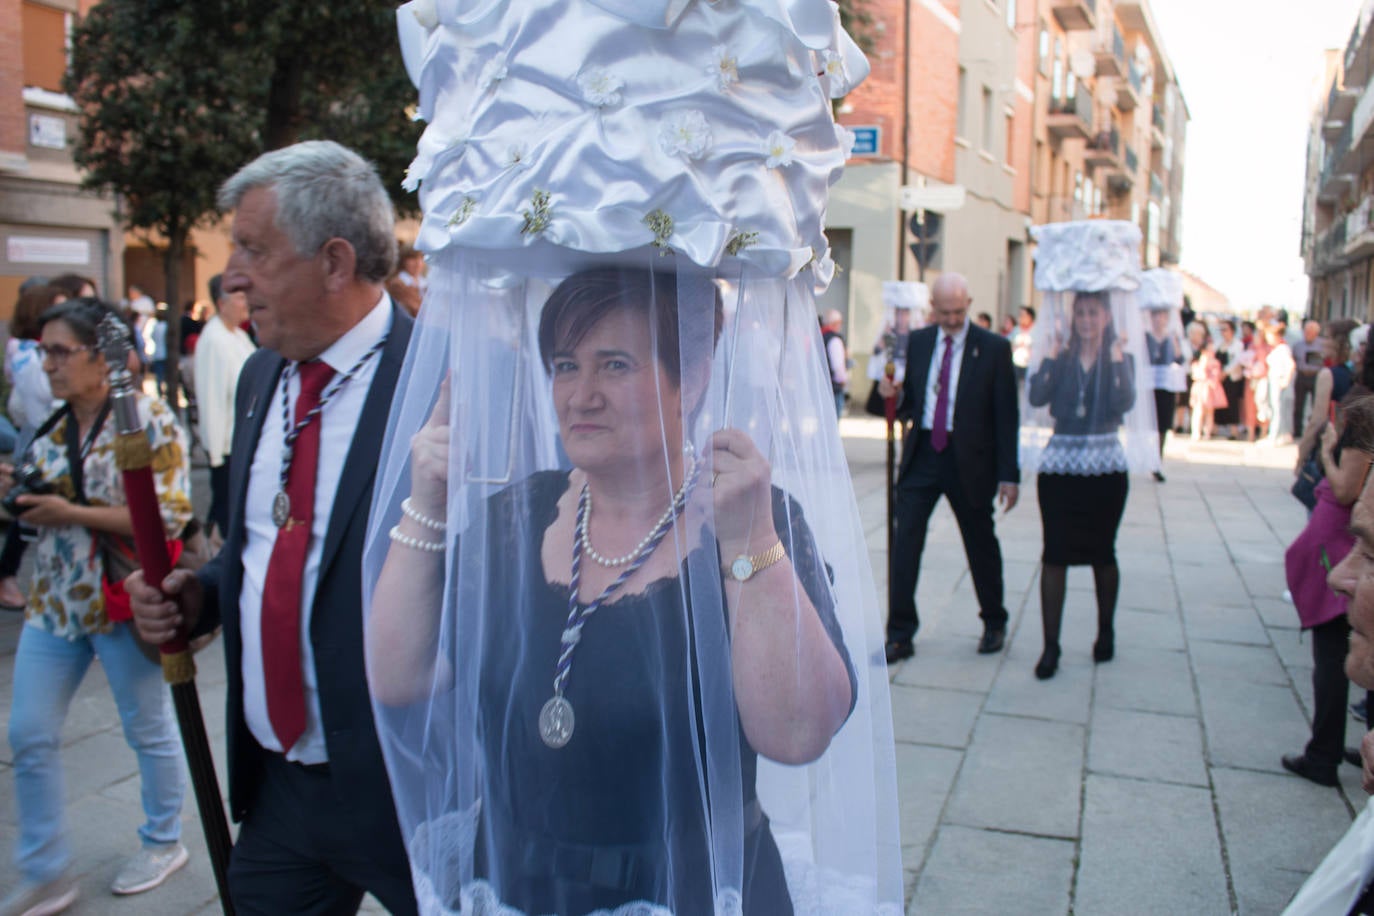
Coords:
1101,420
623,211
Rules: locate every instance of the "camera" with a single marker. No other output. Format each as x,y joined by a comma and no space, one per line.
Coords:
28,479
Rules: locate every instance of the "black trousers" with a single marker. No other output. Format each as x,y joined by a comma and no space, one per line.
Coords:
1304,387
932,475
1164,414
1330,690
219,498
304,850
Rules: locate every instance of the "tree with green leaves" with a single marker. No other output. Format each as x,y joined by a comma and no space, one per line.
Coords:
176,96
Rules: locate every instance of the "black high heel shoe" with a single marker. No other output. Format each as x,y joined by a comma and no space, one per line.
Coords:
1104,650
1048,664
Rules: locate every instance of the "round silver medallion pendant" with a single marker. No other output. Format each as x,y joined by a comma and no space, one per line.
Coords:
556,722
281,509
1082,411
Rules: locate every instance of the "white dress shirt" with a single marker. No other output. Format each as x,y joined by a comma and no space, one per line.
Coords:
220,355
338,422
956,359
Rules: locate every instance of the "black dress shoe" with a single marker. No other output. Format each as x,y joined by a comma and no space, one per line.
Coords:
1159,476
1300,765
1104,650
992,641
896,651
1048,664
1352,757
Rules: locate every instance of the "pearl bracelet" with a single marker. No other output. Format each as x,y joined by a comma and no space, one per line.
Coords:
414,515
406,540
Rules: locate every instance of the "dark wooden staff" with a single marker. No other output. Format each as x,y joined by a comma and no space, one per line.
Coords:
134,456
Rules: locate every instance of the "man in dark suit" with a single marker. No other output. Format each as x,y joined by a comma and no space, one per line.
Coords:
960,396
313,245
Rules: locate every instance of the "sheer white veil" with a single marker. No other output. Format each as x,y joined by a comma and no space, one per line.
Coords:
1088,413
628,159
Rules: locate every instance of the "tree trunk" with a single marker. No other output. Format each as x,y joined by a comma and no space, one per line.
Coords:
284,100
171,266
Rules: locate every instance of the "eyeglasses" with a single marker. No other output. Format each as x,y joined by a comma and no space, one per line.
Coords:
58,353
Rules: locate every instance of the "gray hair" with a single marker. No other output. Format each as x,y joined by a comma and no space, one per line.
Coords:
324,191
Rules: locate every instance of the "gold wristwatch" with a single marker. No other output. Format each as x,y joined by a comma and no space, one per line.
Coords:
744,567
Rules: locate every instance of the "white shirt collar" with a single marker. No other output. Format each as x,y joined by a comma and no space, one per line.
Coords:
958,338
343,353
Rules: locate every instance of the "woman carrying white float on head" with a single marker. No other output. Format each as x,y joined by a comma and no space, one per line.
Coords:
1161,298
1090,417
623,639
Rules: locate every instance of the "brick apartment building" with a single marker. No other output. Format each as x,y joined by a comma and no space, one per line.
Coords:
1338,226
48,225
1040,110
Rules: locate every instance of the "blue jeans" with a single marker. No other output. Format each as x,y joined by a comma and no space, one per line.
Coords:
47,671
839,404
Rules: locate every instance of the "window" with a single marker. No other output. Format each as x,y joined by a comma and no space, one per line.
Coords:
1044,47
1078,186
1097,200
961,125
1011,14
988,119
1057,81
1087,197
1011,137
45,45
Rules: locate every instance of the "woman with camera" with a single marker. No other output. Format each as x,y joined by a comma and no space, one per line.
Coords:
72,493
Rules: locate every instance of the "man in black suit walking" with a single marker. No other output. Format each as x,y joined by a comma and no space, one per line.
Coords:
313,243
960,396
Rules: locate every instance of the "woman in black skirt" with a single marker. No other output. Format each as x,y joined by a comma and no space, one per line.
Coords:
1088,384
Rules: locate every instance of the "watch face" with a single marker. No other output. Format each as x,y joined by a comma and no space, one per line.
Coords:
741,569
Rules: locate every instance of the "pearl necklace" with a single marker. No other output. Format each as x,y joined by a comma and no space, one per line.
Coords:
674,507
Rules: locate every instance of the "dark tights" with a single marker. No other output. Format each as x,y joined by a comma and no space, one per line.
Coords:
1053,584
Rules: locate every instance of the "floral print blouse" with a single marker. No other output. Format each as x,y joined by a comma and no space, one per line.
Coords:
65,595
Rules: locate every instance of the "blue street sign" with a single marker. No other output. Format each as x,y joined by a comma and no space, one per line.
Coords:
866,141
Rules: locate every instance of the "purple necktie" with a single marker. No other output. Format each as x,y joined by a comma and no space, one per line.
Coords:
939,427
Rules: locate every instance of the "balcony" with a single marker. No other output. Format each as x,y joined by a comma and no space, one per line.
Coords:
1104,150
1359,231
1070,118
1132,161
1156,187
1075,15
1158,128
1359,56
1128,90
1329,249
1110,52
1341,102
1120,180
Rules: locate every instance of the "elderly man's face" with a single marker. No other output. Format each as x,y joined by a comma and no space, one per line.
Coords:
949,308
285,290
1354,578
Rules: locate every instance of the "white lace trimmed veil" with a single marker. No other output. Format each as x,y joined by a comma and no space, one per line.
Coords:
1088,413
636,149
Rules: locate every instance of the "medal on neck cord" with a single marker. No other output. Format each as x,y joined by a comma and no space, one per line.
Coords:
281,503
556,719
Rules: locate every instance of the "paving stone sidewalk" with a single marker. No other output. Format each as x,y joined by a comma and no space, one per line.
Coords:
1150,784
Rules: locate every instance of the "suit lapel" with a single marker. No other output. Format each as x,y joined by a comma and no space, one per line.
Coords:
920,352
360,466
973,352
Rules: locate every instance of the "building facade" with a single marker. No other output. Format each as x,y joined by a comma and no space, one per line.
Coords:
48,225
1032,111
1338,226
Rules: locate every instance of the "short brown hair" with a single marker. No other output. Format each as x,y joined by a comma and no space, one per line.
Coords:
585,298
33,302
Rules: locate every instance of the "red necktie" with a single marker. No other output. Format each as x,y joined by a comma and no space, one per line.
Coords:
939,427
281,591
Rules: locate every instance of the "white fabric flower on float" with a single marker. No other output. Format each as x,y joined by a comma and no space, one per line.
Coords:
836,73
492,73
517,156
432,144
686,134
724,67
778,149
600,88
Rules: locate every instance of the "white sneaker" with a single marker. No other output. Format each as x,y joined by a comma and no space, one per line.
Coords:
149,867
30,899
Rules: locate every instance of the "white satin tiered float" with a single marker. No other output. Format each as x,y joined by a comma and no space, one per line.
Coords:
691,141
